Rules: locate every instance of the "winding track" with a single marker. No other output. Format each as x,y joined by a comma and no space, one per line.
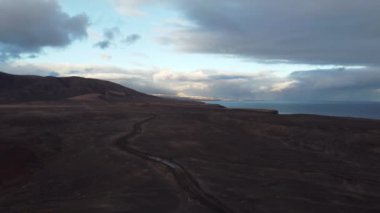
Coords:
184,179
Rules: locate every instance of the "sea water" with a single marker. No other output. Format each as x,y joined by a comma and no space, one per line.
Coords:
369,110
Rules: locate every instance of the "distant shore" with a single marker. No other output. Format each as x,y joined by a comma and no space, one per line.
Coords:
369,110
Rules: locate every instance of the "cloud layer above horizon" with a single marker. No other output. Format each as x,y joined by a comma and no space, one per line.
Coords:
309,85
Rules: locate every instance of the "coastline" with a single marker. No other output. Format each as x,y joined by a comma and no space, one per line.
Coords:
360,110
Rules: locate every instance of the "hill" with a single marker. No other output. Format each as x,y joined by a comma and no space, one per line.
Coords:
25,88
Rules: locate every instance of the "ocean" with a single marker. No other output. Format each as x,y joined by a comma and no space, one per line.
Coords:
369,110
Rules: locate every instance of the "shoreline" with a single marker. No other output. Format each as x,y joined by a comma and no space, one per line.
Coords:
356,110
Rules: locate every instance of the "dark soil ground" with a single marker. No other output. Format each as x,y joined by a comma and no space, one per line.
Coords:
63,157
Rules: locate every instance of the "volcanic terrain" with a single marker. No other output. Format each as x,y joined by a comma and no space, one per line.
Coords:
86,145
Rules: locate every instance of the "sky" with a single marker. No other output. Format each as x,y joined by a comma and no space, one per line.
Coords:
296,50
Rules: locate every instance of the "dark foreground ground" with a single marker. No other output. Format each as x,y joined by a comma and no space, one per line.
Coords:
72,158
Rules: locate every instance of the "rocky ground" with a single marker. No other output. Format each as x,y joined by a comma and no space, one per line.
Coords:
88,157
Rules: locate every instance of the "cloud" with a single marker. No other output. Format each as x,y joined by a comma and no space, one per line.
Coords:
131,39
103,44
217,84
28,69
340,32
333,84
279,87
109,35
27,26
133,7
106,57
327,32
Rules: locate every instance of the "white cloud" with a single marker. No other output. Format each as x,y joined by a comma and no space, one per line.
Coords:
279,87
134,7
106,57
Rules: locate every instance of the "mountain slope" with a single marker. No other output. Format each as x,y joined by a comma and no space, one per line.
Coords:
21,88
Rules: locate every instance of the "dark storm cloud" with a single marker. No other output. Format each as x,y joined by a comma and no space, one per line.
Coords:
27,26
342,32
335,84
131,39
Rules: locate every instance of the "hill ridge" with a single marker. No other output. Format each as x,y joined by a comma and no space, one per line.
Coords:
25,88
